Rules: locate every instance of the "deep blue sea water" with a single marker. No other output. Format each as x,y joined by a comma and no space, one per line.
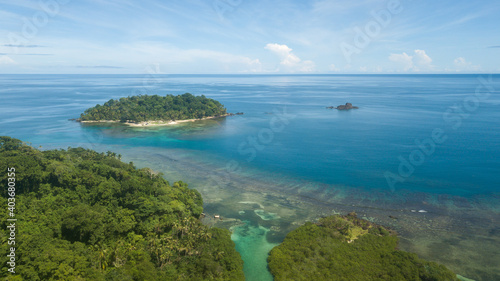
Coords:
286,131
352,148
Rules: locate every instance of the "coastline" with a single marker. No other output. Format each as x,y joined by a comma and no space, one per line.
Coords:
153,123
261,211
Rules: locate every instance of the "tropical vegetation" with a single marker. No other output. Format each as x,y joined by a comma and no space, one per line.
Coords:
84,215
155,108
348,248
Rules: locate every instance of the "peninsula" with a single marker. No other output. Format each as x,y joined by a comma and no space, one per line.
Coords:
349,248
145,110
89,216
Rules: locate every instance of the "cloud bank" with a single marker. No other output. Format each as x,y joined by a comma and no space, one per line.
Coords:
461,64
6,60
289,61
417,62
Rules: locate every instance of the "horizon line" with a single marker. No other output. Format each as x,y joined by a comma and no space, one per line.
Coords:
255,74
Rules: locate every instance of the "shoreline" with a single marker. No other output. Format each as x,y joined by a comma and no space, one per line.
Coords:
446,230
154,123
255,207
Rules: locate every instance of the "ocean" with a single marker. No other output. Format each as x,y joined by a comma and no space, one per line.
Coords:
422,148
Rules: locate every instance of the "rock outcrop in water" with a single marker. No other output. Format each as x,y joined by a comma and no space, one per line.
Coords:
347,106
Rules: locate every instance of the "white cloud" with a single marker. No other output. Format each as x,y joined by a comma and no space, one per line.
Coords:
460,62
463,65
285,53
403,59
333,67
418,62
250,65
289,60
6,60
307,66
363,68
422,59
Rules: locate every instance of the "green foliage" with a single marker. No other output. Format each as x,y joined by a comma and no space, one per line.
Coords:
155,108
348,248
84,215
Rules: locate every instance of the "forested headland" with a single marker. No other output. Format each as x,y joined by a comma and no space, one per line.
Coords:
349,248
84,215
155,108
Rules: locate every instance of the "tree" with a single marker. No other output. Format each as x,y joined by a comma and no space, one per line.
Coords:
155,108
348,248
88,216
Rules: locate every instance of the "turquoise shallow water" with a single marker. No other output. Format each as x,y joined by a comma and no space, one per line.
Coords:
251,242
428,134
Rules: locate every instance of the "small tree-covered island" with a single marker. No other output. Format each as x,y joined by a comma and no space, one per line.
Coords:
145,110
346,248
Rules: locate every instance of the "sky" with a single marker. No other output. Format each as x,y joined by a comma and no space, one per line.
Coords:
249,36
